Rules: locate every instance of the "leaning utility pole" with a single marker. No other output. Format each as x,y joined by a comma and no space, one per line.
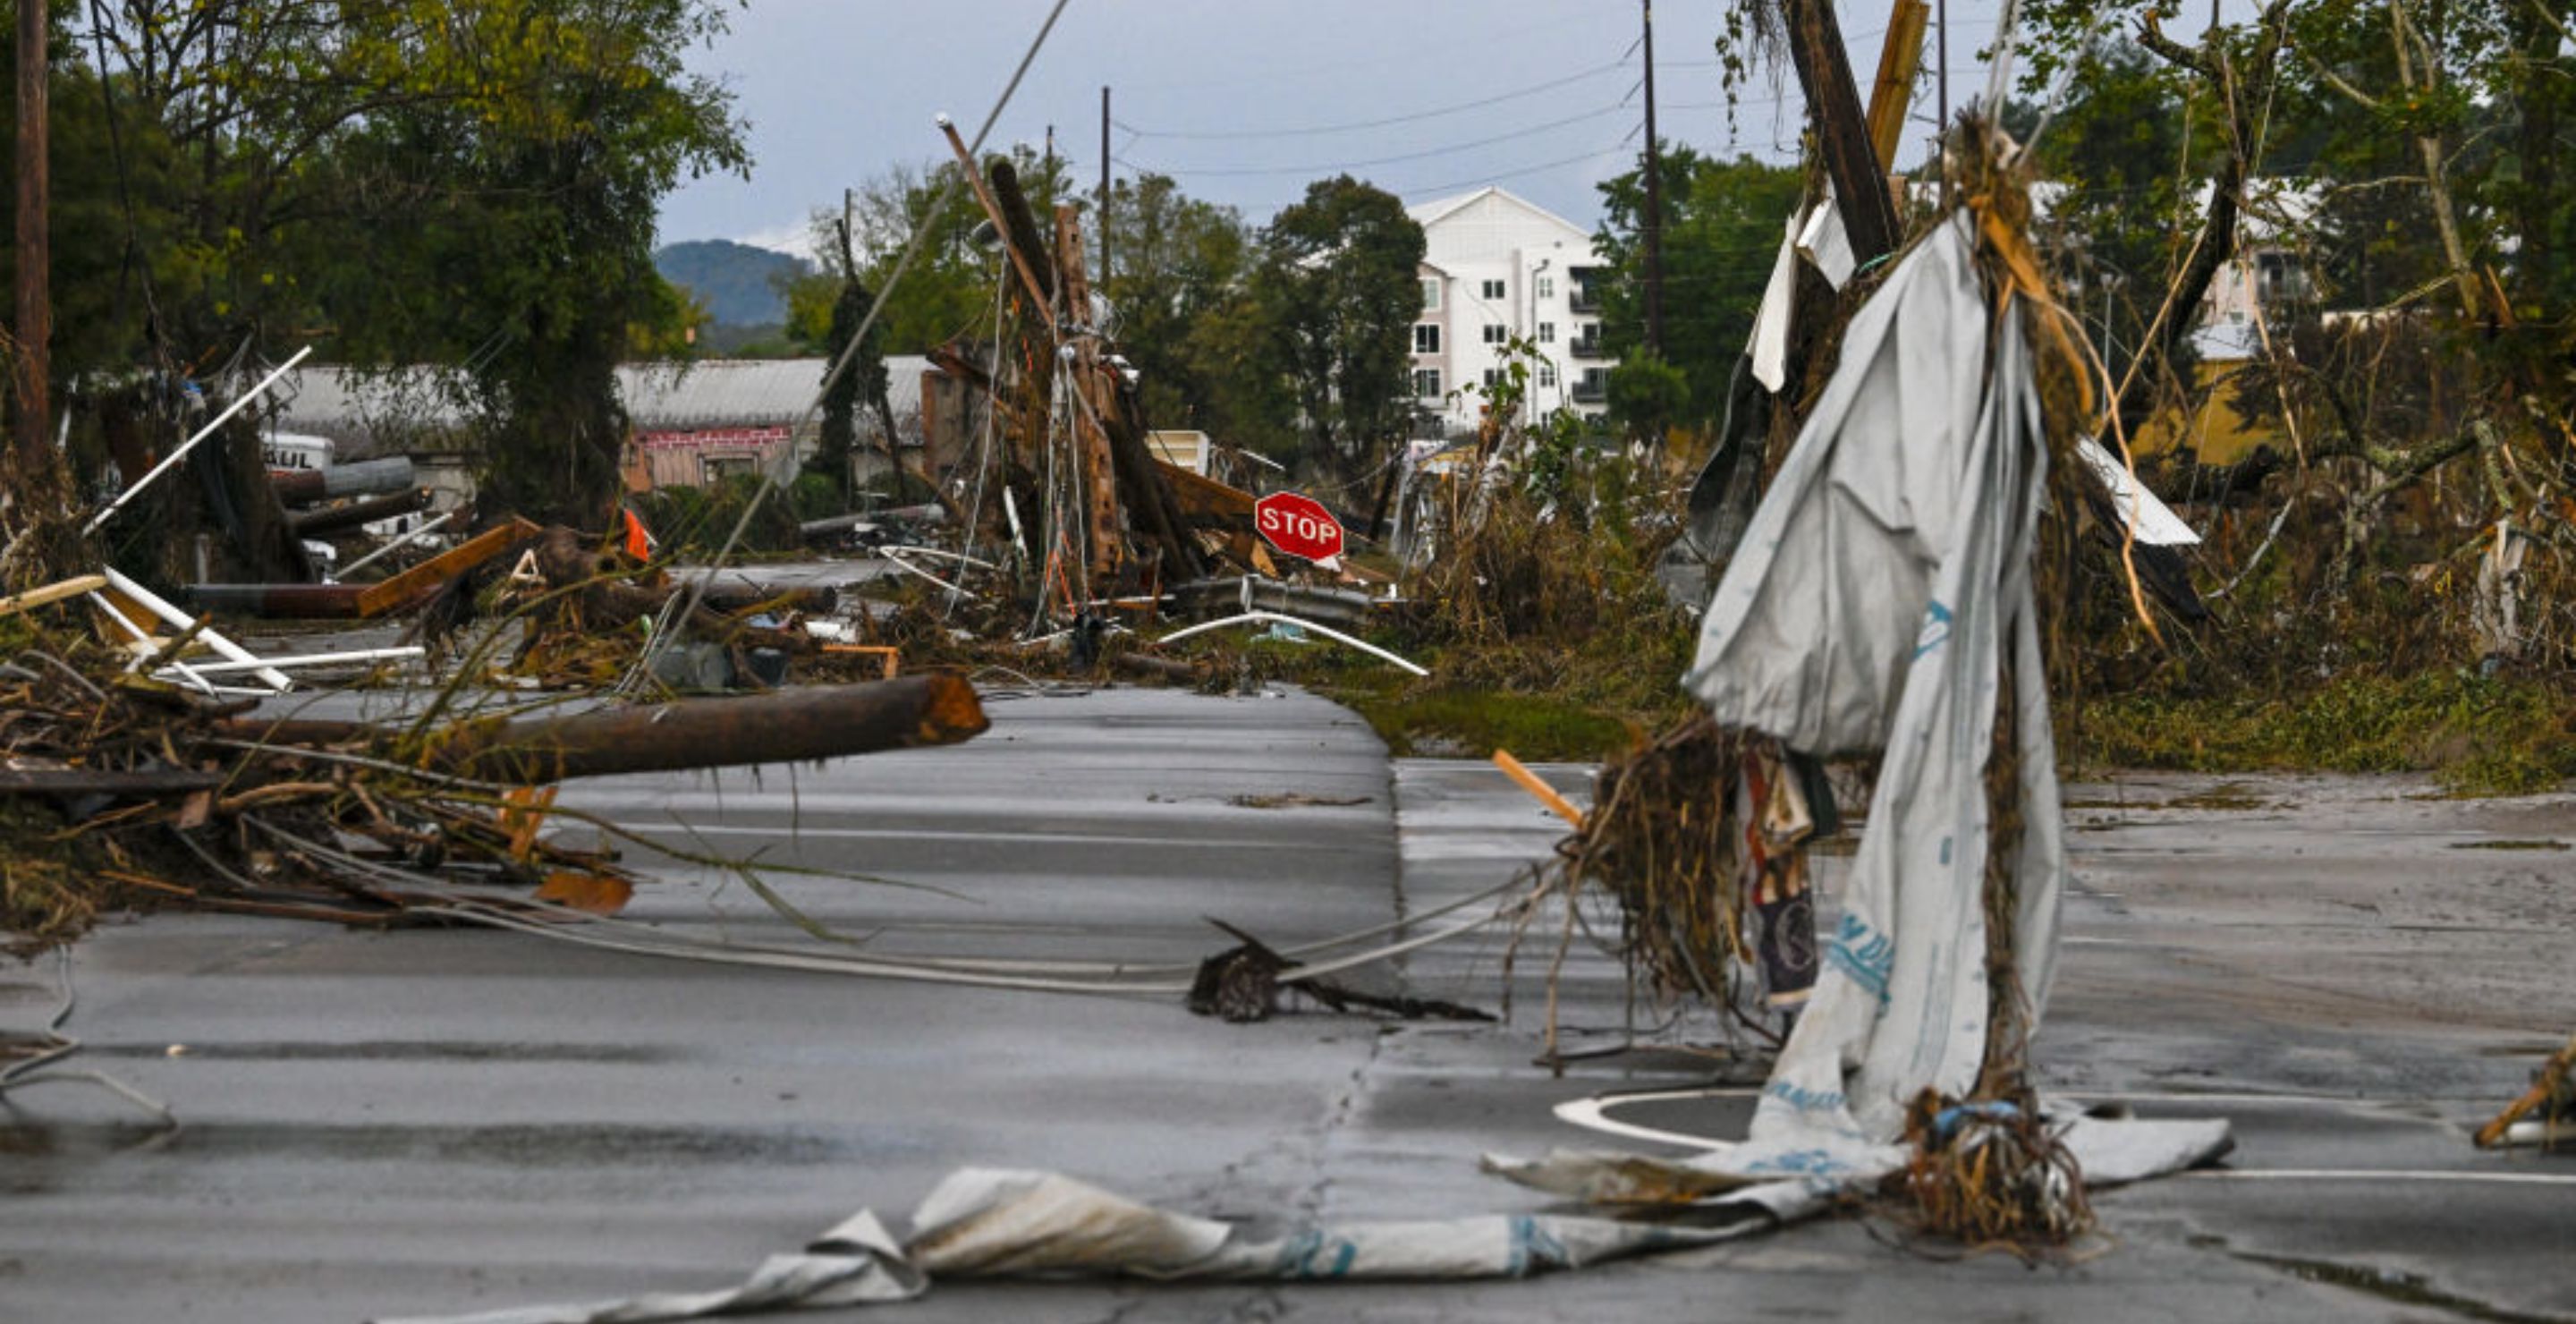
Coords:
1104,188
1654,199
34,436
1941,121
1860,182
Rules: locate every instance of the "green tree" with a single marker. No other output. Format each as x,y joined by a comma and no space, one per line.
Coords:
1178,266
401,182
1336,292
863,383
1722,228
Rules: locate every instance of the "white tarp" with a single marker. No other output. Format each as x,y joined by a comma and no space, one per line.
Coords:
996,1223
1769,345
1814,233
1000,1223
2155,522
2108,1152
1870,607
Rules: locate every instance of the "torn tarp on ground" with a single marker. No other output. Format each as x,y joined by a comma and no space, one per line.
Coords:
986,1223
993,1223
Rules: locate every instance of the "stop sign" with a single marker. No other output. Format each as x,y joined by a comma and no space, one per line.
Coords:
1298,525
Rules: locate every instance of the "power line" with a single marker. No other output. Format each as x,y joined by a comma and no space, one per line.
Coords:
1327,168
1489,41
1425,189
1391,120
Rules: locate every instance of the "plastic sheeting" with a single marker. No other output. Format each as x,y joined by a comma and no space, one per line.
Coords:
992,1223
996,1223
2110,1152
1871,606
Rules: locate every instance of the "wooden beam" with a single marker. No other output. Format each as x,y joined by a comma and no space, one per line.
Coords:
1029,277
1898,61
1842,130
1091,417
51,593
422,580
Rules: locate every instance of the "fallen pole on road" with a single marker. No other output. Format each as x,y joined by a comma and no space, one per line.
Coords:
331,482
785,726
279,601
308,523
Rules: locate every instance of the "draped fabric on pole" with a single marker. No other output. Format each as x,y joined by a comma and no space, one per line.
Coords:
1870,607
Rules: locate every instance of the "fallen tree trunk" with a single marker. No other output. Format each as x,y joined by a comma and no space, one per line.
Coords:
783,726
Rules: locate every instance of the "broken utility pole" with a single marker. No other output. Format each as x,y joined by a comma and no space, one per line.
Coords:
34,432
1104,187
1833,103
1654,198
783,726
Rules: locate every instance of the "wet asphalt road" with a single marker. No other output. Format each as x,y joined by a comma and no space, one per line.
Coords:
453,1120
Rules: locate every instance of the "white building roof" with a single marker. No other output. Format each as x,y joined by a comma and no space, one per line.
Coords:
1488,223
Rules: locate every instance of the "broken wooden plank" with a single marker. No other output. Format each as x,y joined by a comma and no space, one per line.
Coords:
1894,93
424,579
51,594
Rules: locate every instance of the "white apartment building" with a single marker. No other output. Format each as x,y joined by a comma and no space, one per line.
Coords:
1495,269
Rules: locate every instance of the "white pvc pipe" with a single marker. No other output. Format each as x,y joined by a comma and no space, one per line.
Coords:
407,539
910,569
890,551
143,644
190,444
314,659
1324,630
152,603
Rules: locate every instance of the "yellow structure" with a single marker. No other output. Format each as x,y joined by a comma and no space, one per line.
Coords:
2217,430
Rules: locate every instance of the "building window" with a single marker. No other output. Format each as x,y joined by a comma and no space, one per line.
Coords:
1493,378
1426,383
1497,334
1493,289
1547,333
1546,374
1426,338
1547,287
1430,294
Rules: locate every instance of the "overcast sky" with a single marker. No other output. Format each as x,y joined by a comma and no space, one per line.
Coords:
838,91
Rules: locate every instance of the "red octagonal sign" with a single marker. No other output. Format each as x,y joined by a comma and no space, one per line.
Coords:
1298,525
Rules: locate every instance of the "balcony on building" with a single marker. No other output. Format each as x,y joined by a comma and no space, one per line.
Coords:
1592,388
1583,295
1586,346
